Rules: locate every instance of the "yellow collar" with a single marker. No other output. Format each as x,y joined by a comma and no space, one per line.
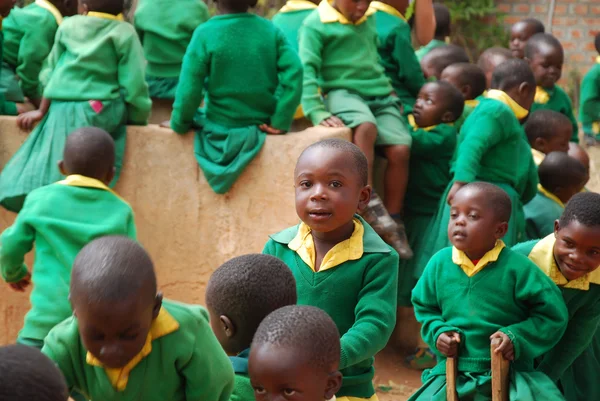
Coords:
350,249
519,111
550,195
386,8
538,157
472,103
413,124
598,59
541,95
161,326
45,4
106,16
76,180
329,14
461,259
297,5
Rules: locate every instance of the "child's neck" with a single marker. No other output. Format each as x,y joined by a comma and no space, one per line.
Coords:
224,9
324,242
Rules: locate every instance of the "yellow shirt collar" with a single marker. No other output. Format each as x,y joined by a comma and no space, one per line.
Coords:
413,124
330,15
297,5
350,249
161,326
519,111
461,259
541,95
472,103
76,180
52,9
538,157
550,195
106,16
598,59
386,8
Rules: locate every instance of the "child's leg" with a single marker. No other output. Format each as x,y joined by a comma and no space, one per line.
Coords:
364,136
396,177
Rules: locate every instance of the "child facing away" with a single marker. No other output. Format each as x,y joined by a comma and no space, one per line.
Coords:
338,48
589,100
520,33
545,56
442,31
125,342
239,295
479,290
165,29
296,354
439,58
570,256
561,177
469,79
548,131
27,374
340,264
96,79
291,17
247,96
60,219
490,59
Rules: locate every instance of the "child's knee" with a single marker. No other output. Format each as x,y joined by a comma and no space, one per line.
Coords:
366,131
397,153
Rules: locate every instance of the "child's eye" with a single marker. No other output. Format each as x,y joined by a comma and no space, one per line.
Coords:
429,101
336,184
568,244
259,390
594,253
305,184
473,216
129,337
289,392
453,215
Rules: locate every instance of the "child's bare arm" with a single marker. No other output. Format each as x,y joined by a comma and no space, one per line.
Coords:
27,121
447,344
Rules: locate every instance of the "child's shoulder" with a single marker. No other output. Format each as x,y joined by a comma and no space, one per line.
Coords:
313,20
189,317
525,248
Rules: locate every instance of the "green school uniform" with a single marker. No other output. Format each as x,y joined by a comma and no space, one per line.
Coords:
185,364
468,109
422,52
575,360
541,213
59,219
358,294
290,18
242,390
221,53
503,292
165,28
557,100
6,107
589,101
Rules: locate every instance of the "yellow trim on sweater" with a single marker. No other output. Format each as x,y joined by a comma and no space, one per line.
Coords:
297,5
541,95
52,9
598,59
373,398
472,102
330,15
538,157
550,195
413,124
161,326
386,8
461,259
520,112
76,180
106,16
351,249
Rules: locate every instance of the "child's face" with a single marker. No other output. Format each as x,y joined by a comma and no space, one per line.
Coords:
577,249
519,35
353,10
6,6
430,70
452,75
547,65
430,107
329,190
557,143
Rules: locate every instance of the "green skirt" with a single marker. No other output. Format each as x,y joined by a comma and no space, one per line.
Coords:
162,88
9,85
580,381
416,227
35,163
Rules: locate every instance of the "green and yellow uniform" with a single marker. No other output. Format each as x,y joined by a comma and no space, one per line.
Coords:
589,101
165,28
575,360
356,285
504,292
468,109
557,100
216,63
541,213
435,43
291,17
180,361
242,390
59,219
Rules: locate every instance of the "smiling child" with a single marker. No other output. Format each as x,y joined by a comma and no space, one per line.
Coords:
520,34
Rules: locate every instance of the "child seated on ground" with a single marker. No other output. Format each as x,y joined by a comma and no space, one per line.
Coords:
125,342
338,48
520,34
479,290
238,105
165,29
439,58
570,256
239,295
561,177
442,31
296,350
291,16
60,219
545,55
96,80
340,264
490,59
548,131
589,100
469,79
27,374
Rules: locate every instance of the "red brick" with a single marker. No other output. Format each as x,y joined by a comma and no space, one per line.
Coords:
540,9
522,8
589,47
595,10
591,21
580,9
577,58
512,19
558,33
564,21
568,45
592,33
576,34
504,8
560,10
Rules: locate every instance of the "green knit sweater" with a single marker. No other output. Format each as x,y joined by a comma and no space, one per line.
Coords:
165,28
241,61
540,214
59,220
422,52
290,23
99,59
186,365
242,390
359,295
589,99
559,102
6,108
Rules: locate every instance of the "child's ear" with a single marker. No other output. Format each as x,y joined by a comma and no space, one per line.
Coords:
448,117
501,230
556,227
365,197
540,144
466,90
525,88
157,305
334,383
61,168
228,326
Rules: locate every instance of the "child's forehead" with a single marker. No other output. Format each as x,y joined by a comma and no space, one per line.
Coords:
544,50
328,159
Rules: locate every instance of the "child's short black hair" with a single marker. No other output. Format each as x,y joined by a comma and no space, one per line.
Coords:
511,74
485,59
543,123
90,152
359,160
454,102
248,288
442,20
306,328
114,7
497,198
443,56
597,42
113,269
537,41
472,75
559,170
29,375
535,24
584,208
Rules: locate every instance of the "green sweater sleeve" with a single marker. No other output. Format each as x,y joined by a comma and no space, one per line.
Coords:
530,189
15,242
571,116
33,51
375,313
57,347
425,142
409,68
55,54
589,104
242,390
289,70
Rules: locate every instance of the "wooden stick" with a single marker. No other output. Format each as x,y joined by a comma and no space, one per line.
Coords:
500,369
451,374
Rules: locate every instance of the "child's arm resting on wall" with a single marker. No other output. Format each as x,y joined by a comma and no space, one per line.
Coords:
15,242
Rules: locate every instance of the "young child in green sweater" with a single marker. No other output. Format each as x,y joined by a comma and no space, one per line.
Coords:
239,295
469,79
295,355
27,374
570,256
545,56
479,290
125,343
442,30
60,219
589,100
548,131
520,34
561,177
90,84
340,264
439,58
291,17
490,59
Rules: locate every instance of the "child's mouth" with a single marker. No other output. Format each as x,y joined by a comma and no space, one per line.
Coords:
319,215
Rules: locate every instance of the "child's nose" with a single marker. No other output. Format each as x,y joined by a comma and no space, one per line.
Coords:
319,192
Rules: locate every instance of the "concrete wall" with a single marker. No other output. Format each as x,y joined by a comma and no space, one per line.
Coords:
187,228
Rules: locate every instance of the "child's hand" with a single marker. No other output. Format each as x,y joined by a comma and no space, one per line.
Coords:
267,129
506,347
457,185
20,286
25,107
447,343
26,121
165,124
332,122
